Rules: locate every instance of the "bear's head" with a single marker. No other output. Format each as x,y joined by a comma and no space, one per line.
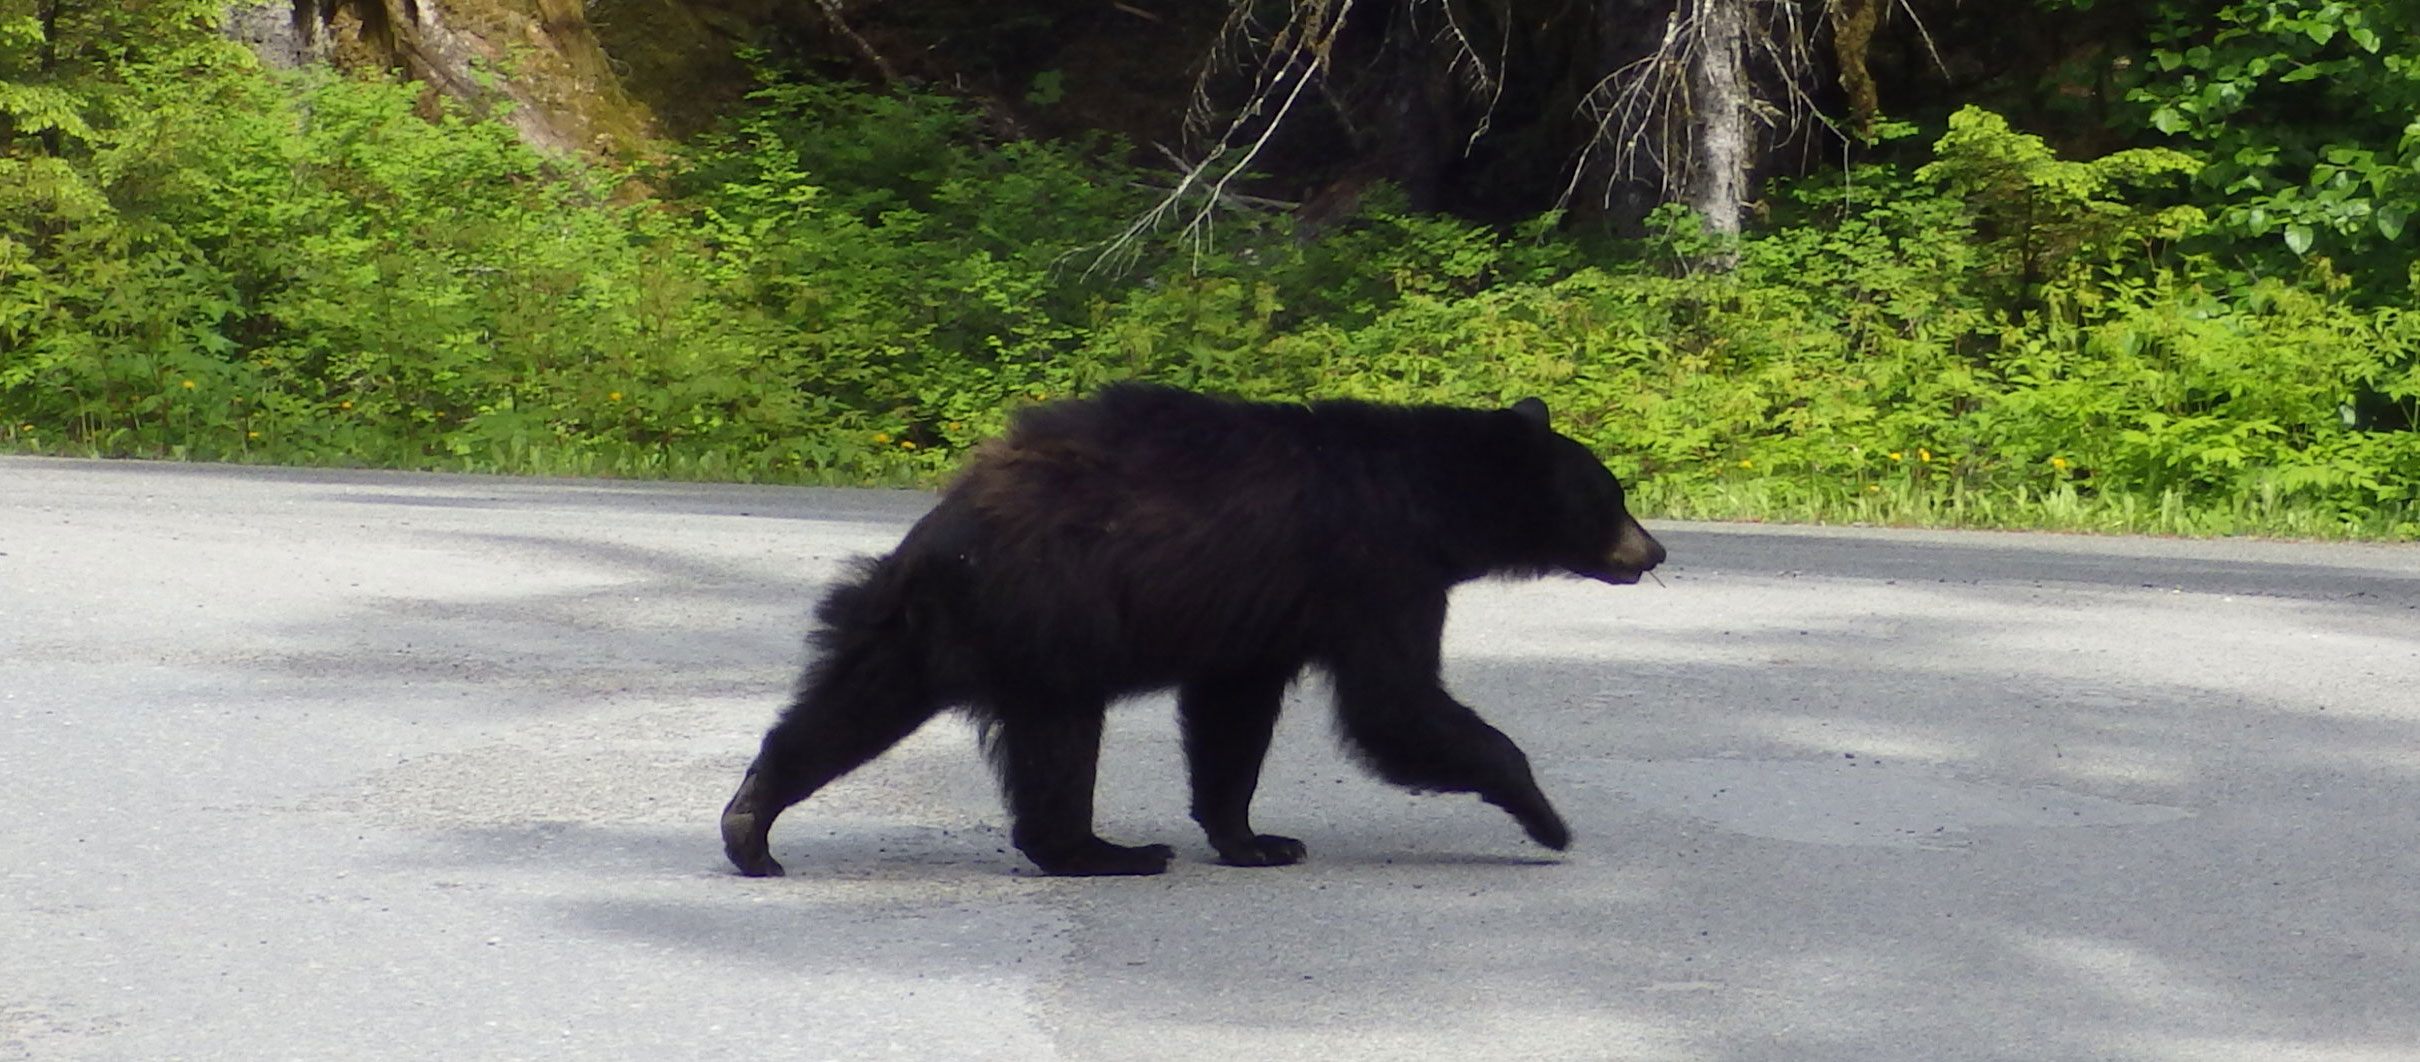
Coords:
1590,528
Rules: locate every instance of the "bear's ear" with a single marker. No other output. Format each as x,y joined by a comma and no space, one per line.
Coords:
1532,408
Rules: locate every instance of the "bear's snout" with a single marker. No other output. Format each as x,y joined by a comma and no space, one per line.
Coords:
1634,553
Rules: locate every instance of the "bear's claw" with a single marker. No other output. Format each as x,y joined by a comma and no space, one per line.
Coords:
744,833
1094,857
1264,850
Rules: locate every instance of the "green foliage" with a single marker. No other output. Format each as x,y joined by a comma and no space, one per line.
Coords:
246,268
922,275
201,260
1863,362
2047,221
2305,112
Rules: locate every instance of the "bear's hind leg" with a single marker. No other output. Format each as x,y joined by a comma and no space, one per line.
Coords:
1227,723
1048,756
844,715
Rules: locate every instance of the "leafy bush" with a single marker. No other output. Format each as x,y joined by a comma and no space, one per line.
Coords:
926,278
311,270
200,260
1877,356
2303,112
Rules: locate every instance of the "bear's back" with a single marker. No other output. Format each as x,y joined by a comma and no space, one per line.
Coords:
1138,453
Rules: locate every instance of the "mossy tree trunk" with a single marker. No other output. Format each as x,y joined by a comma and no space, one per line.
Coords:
535,61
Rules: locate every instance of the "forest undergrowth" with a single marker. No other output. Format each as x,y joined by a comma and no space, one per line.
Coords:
201,260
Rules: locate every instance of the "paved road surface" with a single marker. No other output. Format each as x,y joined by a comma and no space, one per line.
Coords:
301,765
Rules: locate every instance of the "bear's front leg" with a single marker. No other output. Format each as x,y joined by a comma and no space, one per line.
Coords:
1048,760
1423,739
1414,734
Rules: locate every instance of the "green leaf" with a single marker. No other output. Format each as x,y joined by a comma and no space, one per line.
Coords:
2167,120
1050,86
2390,219
2298,238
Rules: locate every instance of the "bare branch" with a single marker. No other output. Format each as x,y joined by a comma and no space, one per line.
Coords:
1648,116
1294,58
1491,83
1628,105
1930,48
882,66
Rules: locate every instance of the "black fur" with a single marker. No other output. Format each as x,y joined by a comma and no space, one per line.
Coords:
1149,538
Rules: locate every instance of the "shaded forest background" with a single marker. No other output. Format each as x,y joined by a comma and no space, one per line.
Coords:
2095,264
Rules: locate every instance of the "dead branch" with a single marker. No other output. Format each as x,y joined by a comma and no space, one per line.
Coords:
882,66
1646,114
1293,60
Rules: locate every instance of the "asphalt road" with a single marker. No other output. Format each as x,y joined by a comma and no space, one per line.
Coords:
311,765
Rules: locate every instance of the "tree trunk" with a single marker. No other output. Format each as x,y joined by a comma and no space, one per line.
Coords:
1853,25
1718,85
536,61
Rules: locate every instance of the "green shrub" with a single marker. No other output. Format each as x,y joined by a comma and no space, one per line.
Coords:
201,260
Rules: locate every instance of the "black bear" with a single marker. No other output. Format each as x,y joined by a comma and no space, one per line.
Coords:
1150,538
